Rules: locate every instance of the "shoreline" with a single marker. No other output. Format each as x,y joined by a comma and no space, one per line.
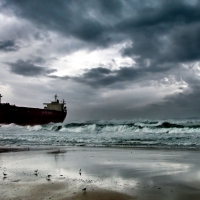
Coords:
13,149
4,149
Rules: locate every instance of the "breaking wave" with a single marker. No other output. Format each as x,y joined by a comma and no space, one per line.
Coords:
183,134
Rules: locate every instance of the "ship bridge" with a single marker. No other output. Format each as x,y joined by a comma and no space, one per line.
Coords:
56,105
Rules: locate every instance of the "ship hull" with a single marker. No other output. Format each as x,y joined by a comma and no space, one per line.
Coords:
29,116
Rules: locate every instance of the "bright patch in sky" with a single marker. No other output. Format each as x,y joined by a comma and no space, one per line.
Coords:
75,63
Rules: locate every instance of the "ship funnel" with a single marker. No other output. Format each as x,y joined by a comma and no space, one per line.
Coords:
0,98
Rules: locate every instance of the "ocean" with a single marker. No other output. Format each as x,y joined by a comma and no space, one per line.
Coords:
165,134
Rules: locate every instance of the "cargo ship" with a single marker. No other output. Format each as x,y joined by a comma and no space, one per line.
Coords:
54,111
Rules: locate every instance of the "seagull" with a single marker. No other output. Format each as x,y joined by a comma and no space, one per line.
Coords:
36,172
62,176
48,177
84,189
5,174
80,172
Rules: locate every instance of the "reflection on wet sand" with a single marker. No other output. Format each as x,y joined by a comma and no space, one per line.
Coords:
159,174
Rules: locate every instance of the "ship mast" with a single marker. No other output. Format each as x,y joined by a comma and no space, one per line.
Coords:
0,98
56,97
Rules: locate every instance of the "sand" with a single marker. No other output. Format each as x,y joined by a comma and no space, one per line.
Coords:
106,173
56,190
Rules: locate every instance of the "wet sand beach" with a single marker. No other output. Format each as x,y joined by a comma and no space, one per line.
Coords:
106,173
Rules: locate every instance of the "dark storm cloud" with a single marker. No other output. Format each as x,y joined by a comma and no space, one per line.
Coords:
8,45
168,33
67,17
181,45
159,31
112,7
28,68
103,77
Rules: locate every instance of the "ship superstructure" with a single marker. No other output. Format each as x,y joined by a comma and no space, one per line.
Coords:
55,105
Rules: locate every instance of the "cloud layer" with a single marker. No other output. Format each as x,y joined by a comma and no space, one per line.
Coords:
162,38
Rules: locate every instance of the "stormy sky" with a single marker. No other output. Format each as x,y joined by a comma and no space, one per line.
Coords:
116,59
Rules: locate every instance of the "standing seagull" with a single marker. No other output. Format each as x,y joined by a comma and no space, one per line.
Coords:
84,189
4,174
48,177
62,176
36,172
80,172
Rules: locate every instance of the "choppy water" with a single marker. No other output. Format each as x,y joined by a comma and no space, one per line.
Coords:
183,134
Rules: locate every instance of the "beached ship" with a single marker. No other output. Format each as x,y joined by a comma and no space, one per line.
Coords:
54,111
